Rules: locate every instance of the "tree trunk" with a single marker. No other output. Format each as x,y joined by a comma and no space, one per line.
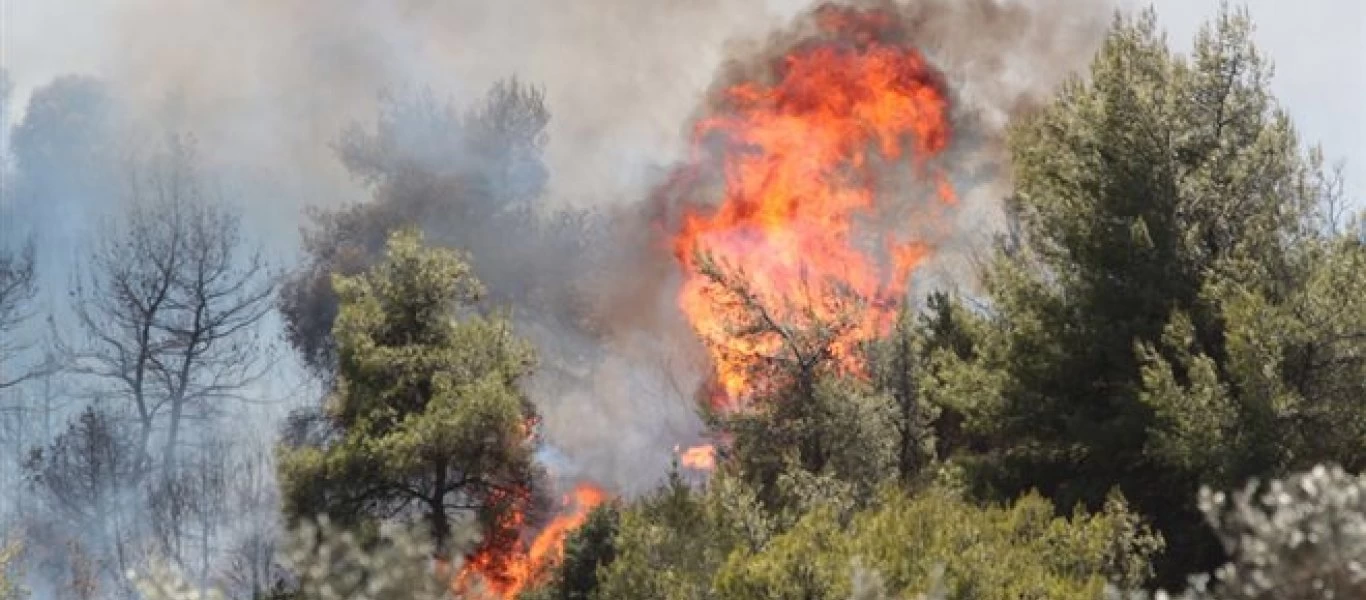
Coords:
441,527
172,437
441,522
204,556
906,397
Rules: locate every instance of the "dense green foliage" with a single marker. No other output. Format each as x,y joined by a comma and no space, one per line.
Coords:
1174,307
719,543
427,416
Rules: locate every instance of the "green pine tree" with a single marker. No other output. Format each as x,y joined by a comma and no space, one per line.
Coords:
427,421
1171,310
938,541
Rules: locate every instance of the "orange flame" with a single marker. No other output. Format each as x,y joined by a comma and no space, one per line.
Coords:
799,161
699,458
503,577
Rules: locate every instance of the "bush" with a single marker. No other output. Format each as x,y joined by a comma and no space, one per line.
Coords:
330,564
1300,537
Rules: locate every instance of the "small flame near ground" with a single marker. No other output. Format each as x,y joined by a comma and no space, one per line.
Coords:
802,151
488,577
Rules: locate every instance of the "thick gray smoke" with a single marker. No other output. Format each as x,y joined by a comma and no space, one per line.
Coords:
268,87
1000,59
270,84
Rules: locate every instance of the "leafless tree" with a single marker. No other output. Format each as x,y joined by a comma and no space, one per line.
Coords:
81,470
18,287
252,569
170,302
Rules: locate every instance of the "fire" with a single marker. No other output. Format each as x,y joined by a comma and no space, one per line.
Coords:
801,153
699,458
504,576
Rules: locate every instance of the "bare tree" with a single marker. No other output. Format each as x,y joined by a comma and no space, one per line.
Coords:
18,287
252,569
170,302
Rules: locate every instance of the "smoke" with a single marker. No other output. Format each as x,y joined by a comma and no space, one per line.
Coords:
268,86
1000,60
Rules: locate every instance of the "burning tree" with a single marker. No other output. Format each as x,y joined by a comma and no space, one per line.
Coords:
805,415
792,274
427,416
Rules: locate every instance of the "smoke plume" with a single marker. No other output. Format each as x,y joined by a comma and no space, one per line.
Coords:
1000,60
268,86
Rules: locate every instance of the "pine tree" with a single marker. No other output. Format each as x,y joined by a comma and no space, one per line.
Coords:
427,418
1172,310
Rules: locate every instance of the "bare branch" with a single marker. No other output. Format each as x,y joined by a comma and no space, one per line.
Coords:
171,299
18,287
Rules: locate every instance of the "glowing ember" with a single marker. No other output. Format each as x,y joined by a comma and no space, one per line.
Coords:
799,154
504,576
699,458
